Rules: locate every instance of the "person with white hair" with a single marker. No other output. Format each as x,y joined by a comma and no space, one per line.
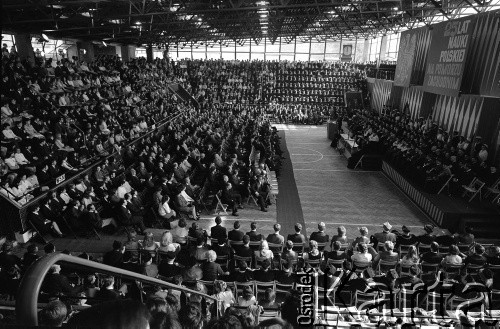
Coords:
363,238
263,252
212,270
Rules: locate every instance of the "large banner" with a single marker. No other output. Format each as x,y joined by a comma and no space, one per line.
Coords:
406,56
447,56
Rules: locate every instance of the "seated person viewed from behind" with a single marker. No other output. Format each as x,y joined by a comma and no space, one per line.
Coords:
411,257
247,297
361,255
432,256
211,270
388,254
297,237
385,235
320,236
453,257
340,237
276,237
53,314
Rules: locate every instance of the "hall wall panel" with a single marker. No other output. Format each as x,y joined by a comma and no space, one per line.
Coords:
458,113
381,92
489,122
411,100
482,73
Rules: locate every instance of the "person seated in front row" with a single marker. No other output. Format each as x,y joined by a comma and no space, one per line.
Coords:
340,237
185,203
42,224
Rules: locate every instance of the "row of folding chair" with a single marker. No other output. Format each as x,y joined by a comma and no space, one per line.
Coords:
258,288
476,187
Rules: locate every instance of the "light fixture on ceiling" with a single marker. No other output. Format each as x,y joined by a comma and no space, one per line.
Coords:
138,23
44,38
104,44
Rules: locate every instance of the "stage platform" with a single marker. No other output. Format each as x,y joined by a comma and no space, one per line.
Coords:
451,213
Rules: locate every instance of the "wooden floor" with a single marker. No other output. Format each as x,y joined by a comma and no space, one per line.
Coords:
327,191
331,193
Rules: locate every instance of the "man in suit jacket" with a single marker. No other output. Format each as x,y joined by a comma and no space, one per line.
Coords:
135,181
254,236
73,215
126,217
297,237
43,174
222,249
386,234
236,234
107,292
42,224
115,256
276,237
134,209
432,256
406,239
56,283
320,236
168,268
427,237
218,232
265,273
244,250
229,198
48,211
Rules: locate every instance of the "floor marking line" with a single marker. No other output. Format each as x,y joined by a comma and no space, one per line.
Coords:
330,155
337,170
373,224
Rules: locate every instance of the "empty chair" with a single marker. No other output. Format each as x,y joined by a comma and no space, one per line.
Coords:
474,188
260,288
493,190
220,206
384,266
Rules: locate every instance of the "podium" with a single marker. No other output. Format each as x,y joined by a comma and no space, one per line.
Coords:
331,129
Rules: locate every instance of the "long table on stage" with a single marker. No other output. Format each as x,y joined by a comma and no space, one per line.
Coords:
347,146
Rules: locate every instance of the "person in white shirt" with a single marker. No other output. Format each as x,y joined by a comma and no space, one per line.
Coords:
483,154
8,133
30,130
60,145
143,125
362,256
64,196
62,100
20,158
164,210
33,180
66,165
11,162
24,186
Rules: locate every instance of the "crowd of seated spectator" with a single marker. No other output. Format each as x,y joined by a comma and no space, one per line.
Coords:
289,91
387,260
420,149
58,120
